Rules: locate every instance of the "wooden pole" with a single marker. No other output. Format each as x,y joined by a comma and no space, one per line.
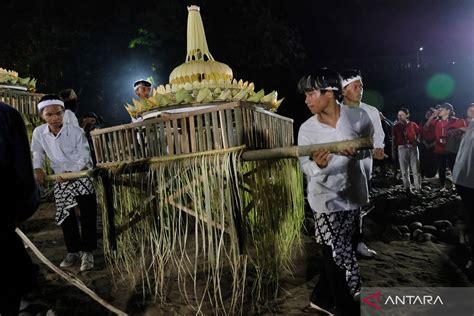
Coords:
250,155
72,175
74,280
298,151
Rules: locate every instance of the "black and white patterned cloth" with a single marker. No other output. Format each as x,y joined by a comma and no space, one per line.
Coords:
65,196
336,230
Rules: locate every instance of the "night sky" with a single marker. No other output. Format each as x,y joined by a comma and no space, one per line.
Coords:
100,49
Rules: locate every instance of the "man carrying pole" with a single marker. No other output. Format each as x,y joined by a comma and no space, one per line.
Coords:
337,188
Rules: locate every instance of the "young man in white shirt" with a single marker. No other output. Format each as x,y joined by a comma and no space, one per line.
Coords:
69,97
352,90
337,189
68,151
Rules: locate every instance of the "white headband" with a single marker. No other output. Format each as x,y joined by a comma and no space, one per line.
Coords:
46,103
331,88
350,80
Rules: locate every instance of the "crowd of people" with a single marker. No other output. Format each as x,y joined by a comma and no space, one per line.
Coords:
338,184
430,147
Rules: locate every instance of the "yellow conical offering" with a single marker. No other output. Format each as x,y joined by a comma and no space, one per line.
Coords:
199,64
201,79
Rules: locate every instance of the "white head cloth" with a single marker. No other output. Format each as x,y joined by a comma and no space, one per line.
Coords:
350,80
46,103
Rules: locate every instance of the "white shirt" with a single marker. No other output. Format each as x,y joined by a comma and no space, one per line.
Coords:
67,151
342,184
70,118
379,135
374,116
463,171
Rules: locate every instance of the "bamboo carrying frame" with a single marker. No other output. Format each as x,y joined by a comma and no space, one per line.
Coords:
222,126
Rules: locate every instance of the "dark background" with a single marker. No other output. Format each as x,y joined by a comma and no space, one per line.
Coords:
101,48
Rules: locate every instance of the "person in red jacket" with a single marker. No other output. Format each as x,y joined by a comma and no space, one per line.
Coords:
428,162
405,137
443,122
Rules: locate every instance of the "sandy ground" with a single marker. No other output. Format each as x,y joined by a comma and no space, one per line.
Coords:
401,261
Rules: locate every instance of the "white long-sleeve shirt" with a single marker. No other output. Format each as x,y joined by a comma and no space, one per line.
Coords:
342,184
374,116
67,151
70,118
379,134
463,171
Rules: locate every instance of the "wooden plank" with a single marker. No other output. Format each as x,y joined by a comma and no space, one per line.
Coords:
184,136
230,128
169,138
97,149
223,129
169,117
176,137
245,127
267,135
192,133
249,141
215,131
201,143
156,139
116,148
128,146
151,140
120,135
207,122
142,139
136,150
104,145
162,137
239,126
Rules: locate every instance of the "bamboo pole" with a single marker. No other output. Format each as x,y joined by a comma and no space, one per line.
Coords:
72,279
259,154
71,175
298,151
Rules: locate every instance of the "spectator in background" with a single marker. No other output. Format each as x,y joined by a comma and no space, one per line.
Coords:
142,88
405,139
469,115
90,122
428,161
69,97
20,199
441,123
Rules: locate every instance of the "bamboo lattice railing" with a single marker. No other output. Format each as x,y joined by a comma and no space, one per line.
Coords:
219,127
24,102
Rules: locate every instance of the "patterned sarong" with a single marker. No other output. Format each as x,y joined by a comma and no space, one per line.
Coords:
65,196
336,230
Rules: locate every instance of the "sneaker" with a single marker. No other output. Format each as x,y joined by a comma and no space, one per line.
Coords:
87,261
364,251
70,260
312,308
